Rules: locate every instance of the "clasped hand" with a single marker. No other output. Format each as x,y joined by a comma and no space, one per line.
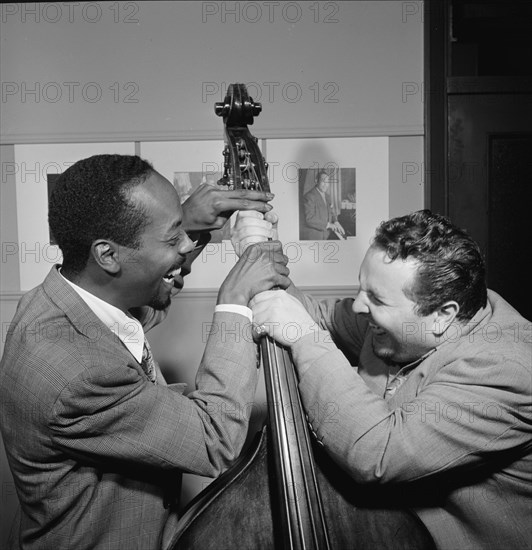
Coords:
262,266
209,206
253,227
281,316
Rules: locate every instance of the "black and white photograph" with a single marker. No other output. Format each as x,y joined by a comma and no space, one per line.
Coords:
263,278
327,203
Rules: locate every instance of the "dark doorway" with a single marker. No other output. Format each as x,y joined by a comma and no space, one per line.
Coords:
479,131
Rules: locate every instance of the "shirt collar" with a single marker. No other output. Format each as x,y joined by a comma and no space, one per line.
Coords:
127,328
409,366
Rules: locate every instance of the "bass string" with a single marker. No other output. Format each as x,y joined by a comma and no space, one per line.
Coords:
309,510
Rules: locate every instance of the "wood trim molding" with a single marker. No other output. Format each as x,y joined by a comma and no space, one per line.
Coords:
203,135
11,295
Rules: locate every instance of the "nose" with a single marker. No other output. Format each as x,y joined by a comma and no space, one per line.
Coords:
360,303
186,246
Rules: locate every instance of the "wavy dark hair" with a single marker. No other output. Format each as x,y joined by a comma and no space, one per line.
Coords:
451,266
91,200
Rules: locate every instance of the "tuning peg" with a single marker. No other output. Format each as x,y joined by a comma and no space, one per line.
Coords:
221,108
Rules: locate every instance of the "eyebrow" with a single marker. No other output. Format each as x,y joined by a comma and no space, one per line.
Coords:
375,294
175,225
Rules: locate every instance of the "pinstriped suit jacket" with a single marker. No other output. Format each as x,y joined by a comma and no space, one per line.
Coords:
95,449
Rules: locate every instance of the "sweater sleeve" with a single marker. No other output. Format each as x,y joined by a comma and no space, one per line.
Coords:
470,411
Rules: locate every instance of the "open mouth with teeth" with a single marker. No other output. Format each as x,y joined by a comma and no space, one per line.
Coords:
170,277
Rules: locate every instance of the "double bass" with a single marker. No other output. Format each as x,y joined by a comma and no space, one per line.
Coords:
284,492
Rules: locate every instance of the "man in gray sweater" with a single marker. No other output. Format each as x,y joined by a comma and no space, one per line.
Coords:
421,385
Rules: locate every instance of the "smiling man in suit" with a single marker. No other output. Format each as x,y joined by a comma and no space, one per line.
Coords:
96,440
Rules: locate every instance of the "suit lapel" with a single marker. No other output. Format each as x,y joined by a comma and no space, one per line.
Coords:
80,315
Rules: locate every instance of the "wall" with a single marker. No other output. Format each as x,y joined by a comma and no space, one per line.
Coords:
141,72
148,71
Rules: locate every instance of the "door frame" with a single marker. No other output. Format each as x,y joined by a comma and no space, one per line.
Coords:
438,85
436,62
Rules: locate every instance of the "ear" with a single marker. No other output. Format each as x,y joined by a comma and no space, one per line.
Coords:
444,316
105,254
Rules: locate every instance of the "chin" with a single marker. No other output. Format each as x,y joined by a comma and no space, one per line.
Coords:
385,354
381,350
389,355
396,357
159,304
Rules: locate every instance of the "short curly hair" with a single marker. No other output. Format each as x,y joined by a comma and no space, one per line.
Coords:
451,266
91,200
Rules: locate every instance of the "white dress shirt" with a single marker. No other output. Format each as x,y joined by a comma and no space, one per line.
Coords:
127,328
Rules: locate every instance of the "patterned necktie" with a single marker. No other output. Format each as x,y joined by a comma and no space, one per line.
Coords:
148,364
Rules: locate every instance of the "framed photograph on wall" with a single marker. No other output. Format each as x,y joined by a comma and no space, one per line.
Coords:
327,203
326,241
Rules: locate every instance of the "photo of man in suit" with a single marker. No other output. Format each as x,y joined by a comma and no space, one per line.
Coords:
95,438
319,218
